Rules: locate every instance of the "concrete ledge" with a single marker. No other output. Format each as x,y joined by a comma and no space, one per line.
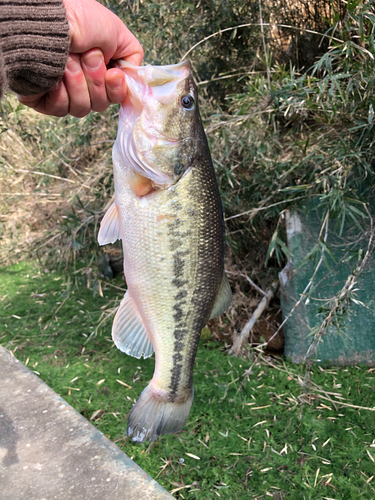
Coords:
49,451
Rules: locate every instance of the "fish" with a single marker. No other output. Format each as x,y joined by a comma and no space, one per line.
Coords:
169,216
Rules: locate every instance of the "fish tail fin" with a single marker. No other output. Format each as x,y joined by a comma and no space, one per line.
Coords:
154,414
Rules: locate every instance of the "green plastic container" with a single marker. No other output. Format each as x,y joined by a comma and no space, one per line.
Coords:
350,338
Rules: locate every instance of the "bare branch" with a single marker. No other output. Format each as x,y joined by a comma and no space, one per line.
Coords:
244,335
250,281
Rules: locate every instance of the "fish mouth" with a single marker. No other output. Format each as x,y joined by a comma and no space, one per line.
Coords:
144,147
155,76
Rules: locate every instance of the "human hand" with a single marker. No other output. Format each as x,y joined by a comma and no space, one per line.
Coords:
96,36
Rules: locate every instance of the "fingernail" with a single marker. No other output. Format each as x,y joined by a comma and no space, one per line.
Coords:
116,83
73,66
93,61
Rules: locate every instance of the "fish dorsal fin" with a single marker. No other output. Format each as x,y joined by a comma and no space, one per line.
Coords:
223,298
109,230
128,331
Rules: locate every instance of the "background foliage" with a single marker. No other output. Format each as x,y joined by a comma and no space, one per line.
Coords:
288,109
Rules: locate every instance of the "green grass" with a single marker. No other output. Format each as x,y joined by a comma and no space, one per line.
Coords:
255,430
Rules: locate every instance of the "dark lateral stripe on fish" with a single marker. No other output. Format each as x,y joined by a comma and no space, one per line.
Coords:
180,316
175,376
176,237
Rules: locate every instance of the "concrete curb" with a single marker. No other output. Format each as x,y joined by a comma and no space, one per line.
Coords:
49,451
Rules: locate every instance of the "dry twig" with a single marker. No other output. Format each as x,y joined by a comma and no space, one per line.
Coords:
250,281
244,335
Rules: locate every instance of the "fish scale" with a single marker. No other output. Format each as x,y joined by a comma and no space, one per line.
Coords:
173,242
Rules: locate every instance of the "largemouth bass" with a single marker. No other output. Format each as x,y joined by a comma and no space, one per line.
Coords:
168,213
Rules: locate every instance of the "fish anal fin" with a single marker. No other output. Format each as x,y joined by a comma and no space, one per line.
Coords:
128,331
223,298
109,231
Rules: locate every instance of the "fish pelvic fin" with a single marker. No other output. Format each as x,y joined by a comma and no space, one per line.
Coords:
109,231
223,298
156,413
128,331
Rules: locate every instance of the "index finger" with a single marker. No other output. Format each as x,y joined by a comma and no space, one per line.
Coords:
129,48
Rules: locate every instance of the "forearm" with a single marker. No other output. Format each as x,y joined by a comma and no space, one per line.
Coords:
34,45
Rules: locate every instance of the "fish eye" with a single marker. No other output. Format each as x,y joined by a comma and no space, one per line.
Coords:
187,101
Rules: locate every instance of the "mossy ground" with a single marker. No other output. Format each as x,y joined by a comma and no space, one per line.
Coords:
255,430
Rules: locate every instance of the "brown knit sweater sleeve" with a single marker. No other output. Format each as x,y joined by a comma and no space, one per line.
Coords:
34,45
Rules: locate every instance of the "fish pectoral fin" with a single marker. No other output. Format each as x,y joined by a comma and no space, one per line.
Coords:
128,331
139,184
109,231
223,298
